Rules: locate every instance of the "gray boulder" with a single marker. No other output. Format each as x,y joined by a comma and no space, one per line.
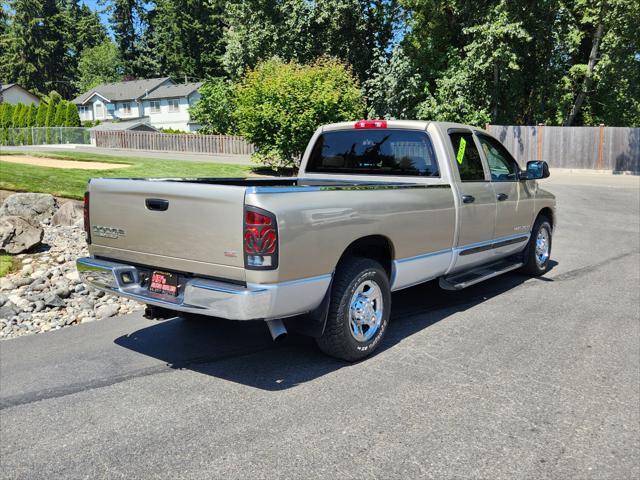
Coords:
37,207
70,213
18,235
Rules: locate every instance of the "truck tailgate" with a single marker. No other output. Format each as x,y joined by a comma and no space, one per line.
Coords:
200,231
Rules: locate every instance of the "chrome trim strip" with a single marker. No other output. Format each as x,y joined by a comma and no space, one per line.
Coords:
491,244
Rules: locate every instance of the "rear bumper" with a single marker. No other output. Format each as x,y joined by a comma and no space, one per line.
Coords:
208,297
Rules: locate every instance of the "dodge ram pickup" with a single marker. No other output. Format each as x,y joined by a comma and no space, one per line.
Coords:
377,206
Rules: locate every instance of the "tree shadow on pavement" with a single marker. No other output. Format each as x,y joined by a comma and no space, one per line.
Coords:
243,352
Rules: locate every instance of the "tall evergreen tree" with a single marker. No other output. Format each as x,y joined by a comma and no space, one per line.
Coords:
36,54
72,118
190,33
61,112
125,20
41,116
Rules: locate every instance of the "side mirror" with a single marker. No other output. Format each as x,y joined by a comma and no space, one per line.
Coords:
536,169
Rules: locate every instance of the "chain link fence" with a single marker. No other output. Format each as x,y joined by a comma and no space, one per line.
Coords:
44,136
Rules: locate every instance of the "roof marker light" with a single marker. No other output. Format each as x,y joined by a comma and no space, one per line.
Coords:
371,124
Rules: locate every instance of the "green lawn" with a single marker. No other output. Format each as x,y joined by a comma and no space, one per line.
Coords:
6,264
72,183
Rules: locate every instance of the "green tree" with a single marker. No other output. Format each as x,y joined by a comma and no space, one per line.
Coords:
279,105
50,119
61,111
190,35
72,118
5,114
31,118
99,64
41,116
214,110
17,116
126,19
36,55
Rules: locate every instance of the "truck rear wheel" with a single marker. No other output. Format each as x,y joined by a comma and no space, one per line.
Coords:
359,310
538,251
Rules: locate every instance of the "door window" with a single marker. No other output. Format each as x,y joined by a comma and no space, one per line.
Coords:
467,157
502,166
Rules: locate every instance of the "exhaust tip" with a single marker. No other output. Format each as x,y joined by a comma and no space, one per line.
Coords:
277,329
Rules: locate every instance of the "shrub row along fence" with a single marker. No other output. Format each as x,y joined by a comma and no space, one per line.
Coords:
599,148
44,136
167,142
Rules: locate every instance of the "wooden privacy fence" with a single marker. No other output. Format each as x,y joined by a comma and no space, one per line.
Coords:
170,142
599,148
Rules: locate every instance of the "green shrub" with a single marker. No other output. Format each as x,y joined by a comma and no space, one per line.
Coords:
61,112
279,105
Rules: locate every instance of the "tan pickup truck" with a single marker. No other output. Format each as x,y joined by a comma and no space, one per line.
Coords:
378,206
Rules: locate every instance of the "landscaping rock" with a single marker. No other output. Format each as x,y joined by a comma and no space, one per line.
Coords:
53,297
70,213
18,235
36,207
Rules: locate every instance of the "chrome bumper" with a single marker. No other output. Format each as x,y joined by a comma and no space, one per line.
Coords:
208,297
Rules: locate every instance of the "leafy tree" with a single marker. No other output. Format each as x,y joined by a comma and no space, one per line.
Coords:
41,116
279,105
61,111
72,118
99,64
214,110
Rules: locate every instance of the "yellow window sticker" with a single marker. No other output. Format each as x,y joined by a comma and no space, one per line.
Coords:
463,145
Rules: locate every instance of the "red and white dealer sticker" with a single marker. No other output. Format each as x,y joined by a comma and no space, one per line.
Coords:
165,283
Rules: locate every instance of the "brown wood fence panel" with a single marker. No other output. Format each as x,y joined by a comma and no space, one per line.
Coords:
168,142
600,148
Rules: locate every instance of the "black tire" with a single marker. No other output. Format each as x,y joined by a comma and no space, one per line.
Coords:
532,265
338,340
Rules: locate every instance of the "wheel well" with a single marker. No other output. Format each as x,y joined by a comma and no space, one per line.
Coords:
375,247
547,212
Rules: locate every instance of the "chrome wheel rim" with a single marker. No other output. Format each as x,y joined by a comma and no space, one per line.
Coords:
365,311
542,247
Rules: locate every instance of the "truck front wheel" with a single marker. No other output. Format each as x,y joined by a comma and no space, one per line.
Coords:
538,251
359,310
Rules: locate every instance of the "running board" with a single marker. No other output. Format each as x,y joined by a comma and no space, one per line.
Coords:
465,279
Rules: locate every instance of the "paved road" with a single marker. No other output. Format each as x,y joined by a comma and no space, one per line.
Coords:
516,378
196,157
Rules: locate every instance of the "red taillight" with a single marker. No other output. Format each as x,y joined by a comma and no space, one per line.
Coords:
87,224
260,239
371,124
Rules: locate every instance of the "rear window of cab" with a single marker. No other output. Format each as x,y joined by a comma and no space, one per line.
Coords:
374,152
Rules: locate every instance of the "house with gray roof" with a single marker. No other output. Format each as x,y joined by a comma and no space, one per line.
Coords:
159,102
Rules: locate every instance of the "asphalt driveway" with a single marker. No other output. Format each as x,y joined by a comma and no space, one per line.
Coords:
513,378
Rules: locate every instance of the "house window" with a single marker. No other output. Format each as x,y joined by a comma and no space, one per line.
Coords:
82,110
99,110
174,105
154,106
125,108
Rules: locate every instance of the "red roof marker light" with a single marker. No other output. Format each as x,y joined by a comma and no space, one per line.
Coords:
371,124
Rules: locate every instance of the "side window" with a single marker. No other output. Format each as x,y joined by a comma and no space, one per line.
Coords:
467,157
501,164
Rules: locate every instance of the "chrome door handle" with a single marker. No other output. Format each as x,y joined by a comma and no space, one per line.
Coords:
502,197
468,199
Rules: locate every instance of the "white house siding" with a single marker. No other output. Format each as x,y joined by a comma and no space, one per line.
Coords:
178,120
16,94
